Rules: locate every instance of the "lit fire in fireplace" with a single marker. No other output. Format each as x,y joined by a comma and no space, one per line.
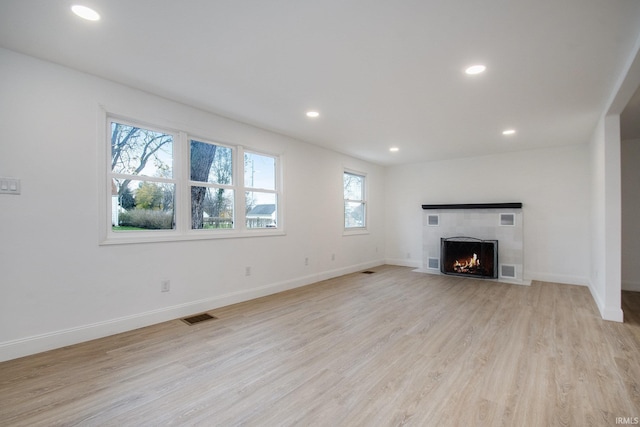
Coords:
463,256
467,266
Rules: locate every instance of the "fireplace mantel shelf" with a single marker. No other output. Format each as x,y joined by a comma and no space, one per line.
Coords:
476,206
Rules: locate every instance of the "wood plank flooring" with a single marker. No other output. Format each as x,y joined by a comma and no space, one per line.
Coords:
391,348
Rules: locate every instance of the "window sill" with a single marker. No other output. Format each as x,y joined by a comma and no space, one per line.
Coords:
162,237
355,232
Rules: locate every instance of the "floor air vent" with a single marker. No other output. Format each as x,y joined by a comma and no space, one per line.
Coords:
368,272
198,318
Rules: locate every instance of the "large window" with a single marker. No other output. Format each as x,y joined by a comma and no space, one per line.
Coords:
164,185
355,204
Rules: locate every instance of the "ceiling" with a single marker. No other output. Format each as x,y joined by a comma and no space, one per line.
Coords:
380,73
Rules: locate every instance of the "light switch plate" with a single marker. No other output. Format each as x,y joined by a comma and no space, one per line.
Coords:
9,185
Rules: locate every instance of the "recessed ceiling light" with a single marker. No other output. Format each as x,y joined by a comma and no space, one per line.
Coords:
85,12
475,69
312,114
394,149
509,132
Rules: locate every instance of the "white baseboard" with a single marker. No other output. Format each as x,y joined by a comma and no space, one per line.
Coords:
613,314
346,270
404,262
39,343
557,278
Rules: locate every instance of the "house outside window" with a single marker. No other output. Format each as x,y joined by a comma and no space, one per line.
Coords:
355,204
164,185
261,196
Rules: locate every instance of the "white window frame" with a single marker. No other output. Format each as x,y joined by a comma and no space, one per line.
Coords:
182,197
234,186
361,229
246,188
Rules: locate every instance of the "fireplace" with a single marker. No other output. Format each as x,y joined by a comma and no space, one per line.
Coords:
468,256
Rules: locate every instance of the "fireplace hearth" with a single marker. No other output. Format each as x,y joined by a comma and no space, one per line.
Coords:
468,256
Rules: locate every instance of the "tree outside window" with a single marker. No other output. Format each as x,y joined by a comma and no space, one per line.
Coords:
155,187
212,198
143,186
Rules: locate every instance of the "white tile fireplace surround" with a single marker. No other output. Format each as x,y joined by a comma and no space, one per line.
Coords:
487,221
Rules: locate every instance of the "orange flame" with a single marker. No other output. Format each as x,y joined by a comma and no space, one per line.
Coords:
472,262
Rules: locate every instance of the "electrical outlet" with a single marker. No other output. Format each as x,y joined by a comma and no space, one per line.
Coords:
165,286
306,261
247,271
333,257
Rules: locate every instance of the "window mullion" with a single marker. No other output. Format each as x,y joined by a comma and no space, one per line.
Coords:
210,185
183,191
238,170
261,190
144,178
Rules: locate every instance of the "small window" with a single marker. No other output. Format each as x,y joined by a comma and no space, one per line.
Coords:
261,201
355,212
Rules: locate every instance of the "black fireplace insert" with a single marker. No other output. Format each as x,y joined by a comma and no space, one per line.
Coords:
468,256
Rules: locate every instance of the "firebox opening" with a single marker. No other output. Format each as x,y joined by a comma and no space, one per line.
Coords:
468,256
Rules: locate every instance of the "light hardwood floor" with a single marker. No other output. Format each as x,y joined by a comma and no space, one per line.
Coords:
391,348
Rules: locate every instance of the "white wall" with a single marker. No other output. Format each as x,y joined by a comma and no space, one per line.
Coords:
58,286
606,218
606,194
630,156
553,185
598,233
